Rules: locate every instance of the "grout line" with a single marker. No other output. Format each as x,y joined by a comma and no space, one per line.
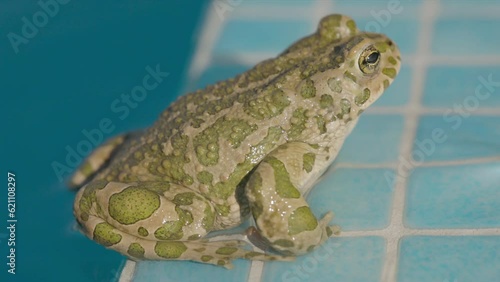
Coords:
128,271
394,165
424,232
395,230
422,110
256,269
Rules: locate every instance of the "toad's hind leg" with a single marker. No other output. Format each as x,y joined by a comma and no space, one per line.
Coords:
275,193
155,220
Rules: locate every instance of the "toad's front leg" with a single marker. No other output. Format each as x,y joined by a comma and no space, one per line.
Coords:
275,193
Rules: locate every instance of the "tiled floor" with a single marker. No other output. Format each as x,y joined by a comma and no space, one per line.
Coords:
421,202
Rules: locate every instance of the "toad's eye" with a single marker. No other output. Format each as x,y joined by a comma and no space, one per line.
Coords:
369,60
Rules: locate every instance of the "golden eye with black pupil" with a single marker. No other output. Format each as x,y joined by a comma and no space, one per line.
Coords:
369,59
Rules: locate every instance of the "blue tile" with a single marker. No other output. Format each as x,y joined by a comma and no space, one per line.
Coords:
398,93
239,36
454,137
173,271
339,259
375,139
465,196
449,259
360,198
462,87
448,38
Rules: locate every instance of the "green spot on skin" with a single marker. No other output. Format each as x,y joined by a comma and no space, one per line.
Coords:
314,146
298,125
155,186
133,204
301,219
311,248
194,237
142,231
283,243
255,185
221,262
199,250
172,230
363,97
321,123
206,258
86,169
170,250
382,47
250,255
307,90
329,231
308,160
104,234
284,186
345,107
326,101
208,220
390,72
96,185
136,250
183,199
270,103
205,177
328,27
335,85
386,83
172,166
223,209
88,198
351,25
226,250
206,143
392,60
350,76
224,189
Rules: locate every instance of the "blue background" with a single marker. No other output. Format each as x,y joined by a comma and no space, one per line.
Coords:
61,82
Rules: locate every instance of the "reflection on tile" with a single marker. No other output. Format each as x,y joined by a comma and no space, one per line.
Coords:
449,259
339,259
360,198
